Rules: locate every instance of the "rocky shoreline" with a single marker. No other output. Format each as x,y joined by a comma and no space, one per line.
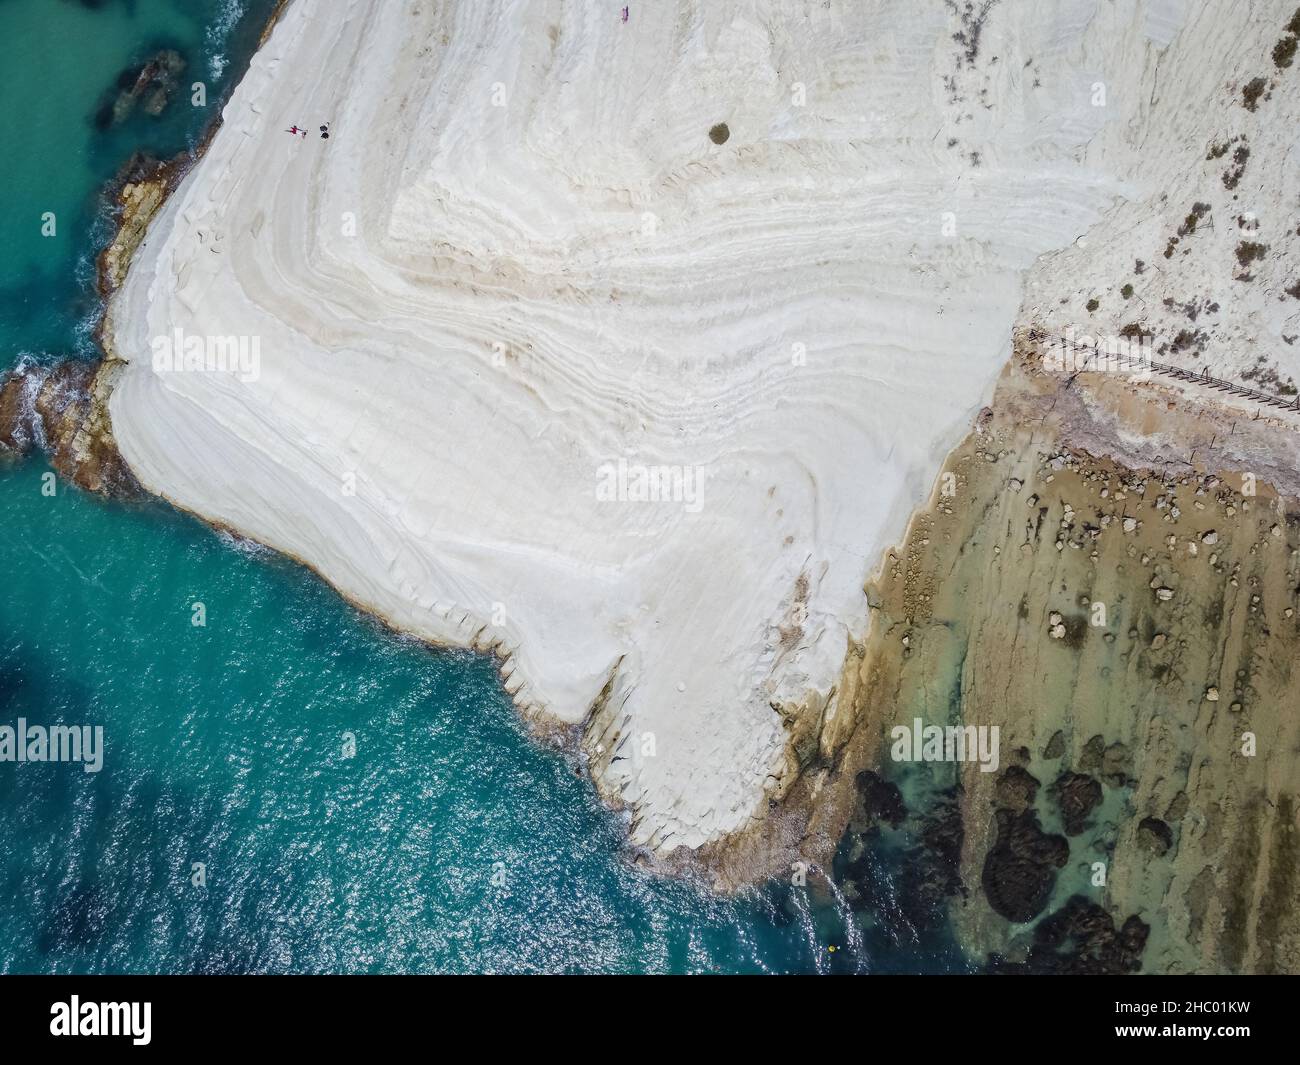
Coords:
1130,628
62,408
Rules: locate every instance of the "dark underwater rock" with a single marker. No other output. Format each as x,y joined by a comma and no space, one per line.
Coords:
1154,836
1015,790
1081,939
1020,869
1076,795
880,799
148,86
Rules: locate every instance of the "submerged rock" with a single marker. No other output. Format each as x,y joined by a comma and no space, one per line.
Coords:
912,896
1016,790
1055,746
1177,807
1081,938
1092,754
1077,795
1020,870
1117,766
881,800
932,872
148,87
1154,836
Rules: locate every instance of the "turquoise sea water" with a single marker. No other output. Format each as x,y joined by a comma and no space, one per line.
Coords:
355,801
61,62
225,744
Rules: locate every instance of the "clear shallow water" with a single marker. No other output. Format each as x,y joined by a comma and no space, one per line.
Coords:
61,62
447,842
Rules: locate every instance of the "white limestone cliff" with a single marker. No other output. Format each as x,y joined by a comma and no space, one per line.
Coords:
520,257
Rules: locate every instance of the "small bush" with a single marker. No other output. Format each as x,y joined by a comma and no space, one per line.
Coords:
1252,92
1249,251
1232,176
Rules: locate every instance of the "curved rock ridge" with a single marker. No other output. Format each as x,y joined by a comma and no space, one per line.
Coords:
520,275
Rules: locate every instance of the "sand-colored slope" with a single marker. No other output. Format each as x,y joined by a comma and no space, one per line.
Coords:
520,256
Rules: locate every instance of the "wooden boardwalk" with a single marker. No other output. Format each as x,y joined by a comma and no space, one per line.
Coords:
1038,337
